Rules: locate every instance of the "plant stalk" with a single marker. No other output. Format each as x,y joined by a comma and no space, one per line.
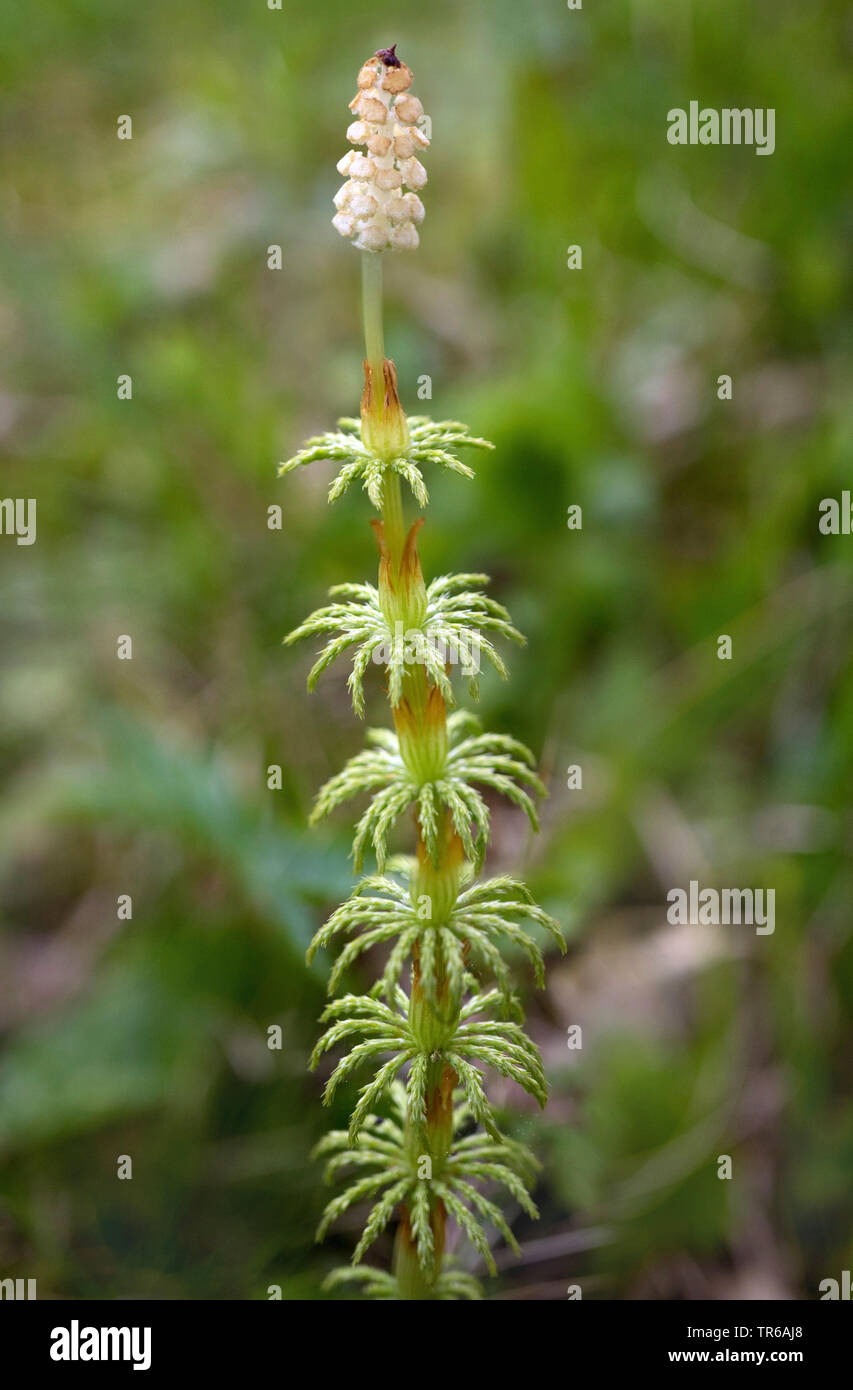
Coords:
374,351
371,310
430,1138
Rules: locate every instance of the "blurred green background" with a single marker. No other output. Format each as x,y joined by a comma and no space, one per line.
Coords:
599,386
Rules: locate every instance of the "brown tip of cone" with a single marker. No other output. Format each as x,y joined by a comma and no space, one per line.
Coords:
409,560
435,714
411,538
383,421
367,393
409,568
390,393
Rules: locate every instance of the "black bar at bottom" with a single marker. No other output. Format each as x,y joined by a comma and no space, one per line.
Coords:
152,1339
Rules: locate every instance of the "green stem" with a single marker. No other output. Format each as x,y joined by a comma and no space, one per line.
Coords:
434,1137
430,1136
412,1283
374,347
393,519
371,310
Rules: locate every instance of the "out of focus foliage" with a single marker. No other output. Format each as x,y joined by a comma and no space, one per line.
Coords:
148,1037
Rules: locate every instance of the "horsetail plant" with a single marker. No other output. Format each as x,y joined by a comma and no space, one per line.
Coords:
423,1138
